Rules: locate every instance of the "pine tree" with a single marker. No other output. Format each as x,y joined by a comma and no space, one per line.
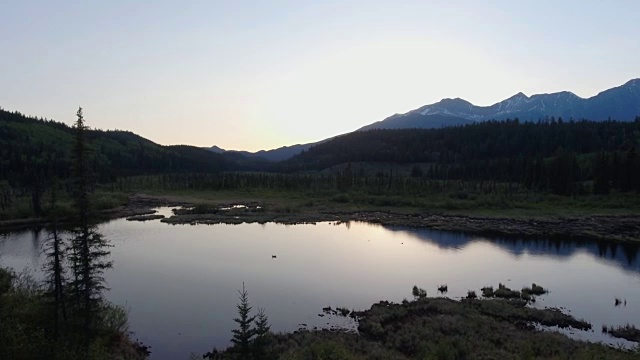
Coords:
243,336
262,340
89,254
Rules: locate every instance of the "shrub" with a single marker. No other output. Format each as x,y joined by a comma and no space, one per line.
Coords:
535,290
487,291
506,293
115,318
418,292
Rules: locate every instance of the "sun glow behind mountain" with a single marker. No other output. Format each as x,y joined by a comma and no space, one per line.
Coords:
258,76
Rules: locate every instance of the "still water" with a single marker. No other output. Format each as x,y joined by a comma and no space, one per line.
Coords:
181,282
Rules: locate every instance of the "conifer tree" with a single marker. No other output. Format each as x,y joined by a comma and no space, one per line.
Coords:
243,336
262,340
89,248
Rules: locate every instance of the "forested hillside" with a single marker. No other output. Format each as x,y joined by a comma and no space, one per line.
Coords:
32,151
556,155
559,157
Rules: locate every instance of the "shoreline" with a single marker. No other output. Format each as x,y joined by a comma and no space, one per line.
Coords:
611,228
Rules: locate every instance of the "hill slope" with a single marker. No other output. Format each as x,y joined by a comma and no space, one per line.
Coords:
34,148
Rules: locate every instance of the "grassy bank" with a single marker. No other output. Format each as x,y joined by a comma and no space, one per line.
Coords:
501,213
524,204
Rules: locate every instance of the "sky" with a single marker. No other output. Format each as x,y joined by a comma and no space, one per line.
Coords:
252,75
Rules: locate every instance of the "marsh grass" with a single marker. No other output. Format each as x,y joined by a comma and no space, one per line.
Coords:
535,289
628,332
451,197
527,294
504,292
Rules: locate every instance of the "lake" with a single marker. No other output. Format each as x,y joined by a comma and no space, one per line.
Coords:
181,282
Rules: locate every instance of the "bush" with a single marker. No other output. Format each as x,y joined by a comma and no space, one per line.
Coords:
6,277
418,292
115,318
506,293
487,291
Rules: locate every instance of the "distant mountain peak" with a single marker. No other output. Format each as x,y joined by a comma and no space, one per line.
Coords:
457,101
620,103
217,150
519,95
633,82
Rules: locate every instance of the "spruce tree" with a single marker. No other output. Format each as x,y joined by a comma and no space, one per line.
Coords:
262,340
89,248
243,336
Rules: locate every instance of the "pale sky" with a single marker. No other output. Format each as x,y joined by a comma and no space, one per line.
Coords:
257,75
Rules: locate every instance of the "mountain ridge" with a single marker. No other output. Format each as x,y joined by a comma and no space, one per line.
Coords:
273,155
620,103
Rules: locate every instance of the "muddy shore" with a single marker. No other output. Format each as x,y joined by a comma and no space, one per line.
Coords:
623,228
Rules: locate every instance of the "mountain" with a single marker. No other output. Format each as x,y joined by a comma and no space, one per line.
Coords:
274,155
619,103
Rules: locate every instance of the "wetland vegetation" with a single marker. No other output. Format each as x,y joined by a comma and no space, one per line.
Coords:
438,328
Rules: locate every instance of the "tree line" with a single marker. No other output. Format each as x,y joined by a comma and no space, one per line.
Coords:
556,156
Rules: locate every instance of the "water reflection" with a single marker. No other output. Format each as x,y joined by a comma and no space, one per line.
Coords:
181,282
623,255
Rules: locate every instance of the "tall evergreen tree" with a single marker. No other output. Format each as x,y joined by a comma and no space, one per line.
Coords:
244,334
89,254
262,340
